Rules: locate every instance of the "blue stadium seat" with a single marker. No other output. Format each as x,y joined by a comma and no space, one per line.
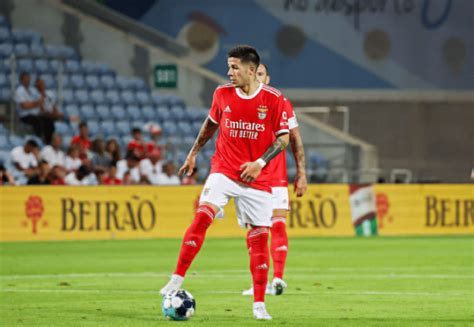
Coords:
169,128
81,96
66,81
62,52
149,113
72,66
49,81
26,36
107,82
88,112
66,141
128,97
5,66
143,98
185,128
77,81
118,112
104,69
68,96
15,141
4,142
54,64
103,112
158,99
97,96
163,113
5,94
4,80
196,127
6,50
42,66
139,124
123,127
112,97
107,127
176,113
94,127
134,112
61,127
25,65
21,49
138,84
37,50
92,81
5,35
122,83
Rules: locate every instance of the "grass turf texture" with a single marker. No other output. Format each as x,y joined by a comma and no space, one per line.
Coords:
332,282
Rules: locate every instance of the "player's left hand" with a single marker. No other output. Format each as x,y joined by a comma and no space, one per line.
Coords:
301,185
251,170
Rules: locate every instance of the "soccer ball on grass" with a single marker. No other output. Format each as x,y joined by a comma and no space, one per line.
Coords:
178,305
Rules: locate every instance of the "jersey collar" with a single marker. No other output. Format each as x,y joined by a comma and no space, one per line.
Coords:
247,97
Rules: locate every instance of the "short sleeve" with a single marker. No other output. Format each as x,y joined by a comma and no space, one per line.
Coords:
215,111
280,119
20,95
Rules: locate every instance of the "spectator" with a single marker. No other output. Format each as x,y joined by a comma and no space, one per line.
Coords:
53,153
155,132
5,177
57,175
49,106
30,109
83,176
191,180
112,147
111,177
152,166
41,178
129,165
25,158
82,140
137,145
101,160
72,162
169,177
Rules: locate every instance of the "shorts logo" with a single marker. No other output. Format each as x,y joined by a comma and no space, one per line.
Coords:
227,109
191,244
282,248
262,267
262,112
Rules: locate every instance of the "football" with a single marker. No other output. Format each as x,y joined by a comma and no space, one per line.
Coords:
178,305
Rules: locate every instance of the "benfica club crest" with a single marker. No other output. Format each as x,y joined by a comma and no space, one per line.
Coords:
262,112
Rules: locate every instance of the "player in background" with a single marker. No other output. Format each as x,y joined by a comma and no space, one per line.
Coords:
279,238
253,131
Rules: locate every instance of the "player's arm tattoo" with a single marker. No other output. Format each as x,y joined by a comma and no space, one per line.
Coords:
298,150
208,129
278,146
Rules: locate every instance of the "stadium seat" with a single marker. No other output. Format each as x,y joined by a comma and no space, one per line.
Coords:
158,99
196,127
185,128
169,128
5,35
134,112
6,50
107,127
128,97
77,81
4,22
149,113
112,97
81,96
94,127
21,50
143,98
176,113
87,112
138,84
138,124
66,141
54,64
72,66
92,81
123,127
188,116
97,96
122,83
25,65
37,50
71,111
4,80
15,141
107,82
118,112
42,66
103,112
49,81
61,52
5,65
61,127
26,36
4,142
163,113
5,94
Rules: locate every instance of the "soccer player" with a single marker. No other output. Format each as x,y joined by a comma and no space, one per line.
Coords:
253,131
279,238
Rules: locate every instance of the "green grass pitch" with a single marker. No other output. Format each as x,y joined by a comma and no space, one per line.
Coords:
332,282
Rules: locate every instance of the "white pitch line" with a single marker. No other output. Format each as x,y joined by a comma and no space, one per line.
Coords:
240,275
94,291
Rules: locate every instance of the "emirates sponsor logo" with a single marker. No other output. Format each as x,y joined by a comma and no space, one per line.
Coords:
282,248
243,125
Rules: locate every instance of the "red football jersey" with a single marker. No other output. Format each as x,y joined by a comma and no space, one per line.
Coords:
278,164
248,126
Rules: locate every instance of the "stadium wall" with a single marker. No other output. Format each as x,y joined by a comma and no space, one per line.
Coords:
80,213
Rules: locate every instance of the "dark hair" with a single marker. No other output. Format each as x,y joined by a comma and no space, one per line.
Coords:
32,143
245,53
131,156
266,68
82,124
24,73
136,130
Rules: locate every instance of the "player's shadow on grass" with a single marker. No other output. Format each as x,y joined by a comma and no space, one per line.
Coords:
106,314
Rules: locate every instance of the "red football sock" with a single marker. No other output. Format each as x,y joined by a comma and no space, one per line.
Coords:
193,238
257,242
279,246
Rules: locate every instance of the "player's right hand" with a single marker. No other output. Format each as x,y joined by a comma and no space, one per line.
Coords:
188,166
